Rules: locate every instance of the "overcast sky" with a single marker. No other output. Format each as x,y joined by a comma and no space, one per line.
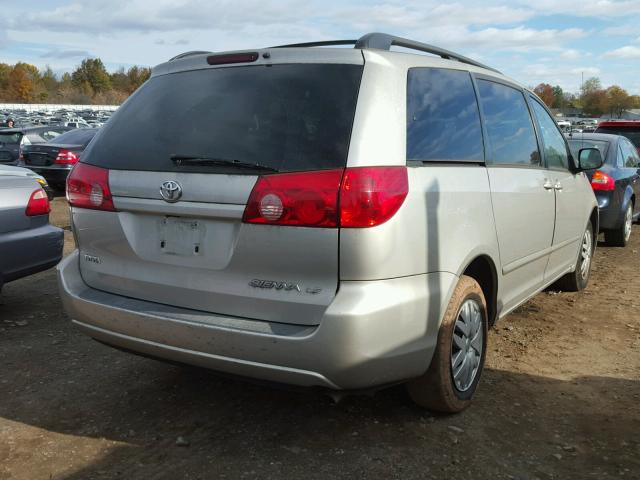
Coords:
553,41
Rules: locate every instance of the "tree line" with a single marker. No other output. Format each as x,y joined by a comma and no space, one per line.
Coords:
593,98
89,83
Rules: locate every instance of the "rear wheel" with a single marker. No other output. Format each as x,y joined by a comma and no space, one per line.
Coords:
454,373
579,278
620,237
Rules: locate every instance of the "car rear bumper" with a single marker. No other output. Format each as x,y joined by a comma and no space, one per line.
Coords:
26,252
374,333
610,211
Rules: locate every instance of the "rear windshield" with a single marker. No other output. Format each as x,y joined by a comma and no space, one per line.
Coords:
81,136
632,133
10,137
286,117
577,144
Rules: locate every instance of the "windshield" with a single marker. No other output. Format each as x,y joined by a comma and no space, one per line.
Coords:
13,137
285,117
576,144
632,133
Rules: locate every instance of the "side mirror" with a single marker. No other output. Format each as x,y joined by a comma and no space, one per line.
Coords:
589,159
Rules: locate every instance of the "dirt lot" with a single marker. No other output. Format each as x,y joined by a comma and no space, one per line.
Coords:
560,398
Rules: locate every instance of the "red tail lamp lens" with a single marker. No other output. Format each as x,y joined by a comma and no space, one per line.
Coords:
350,198
602,181
38,204
307,199
371,195
88,187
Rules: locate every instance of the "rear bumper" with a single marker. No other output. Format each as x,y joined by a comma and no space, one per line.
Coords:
611,214
373,333
26,252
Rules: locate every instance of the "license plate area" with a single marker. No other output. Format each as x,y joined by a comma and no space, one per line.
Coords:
181,236
38,159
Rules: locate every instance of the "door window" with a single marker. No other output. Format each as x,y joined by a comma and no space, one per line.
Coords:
629,154
511,137
555,148
443,122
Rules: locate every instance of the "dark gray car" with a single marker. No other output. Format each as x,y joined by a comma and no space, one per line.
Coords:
28,243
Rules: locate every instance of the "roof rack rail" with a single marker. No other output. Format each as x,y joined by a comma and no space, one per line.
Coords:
327,43
383,41
188,54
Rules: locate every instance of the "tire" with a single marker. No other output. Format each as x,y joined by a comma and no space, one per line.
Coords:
620,237
579,278
437,389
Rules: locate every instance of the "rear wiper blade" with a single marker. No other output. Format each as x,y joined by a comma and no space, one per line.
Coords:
188,160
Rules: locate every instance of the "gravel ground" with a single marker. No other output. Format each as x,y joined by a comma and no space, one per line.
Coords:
559,399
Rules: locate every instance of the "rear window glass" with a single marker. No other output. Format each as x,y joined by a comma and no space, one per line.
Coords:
577,144
286,117
76,137
512,139
10,137
443,122
632,133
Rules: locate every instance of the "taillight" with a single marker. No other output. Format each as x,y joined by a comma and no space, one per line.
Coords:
88,187
306,199
350,198
66,157
38,204
602,181
370,196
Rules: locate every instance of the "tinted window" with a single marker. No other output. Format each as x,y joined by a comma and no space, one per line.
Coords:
575,144
288,117
10,137
512,139
443,122
76,137
628,154
555,149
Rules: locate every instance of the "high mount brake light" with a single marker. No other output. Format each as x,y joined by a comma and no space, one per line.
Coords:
38,204
232,58
349,198
603,182
88,187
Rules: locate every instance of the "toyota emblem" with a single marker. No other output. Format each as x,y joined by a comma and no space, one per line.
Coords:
171,191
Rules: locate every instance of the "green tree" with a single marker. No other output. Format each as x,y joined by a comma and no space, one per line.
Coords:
137,76
593,97
618,101
91,77
558,97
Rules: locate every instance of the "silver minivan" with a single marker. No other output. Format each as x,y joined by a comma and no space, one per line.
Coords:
348,218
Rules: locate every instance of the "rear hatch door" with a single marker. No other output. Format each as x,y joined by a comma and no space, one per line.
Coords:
193,250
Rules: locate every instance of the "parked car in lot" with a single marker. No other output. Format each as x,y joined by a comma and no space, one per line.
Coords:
627,128
13,139
55,159
616,184
319,233
7,170
28,243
